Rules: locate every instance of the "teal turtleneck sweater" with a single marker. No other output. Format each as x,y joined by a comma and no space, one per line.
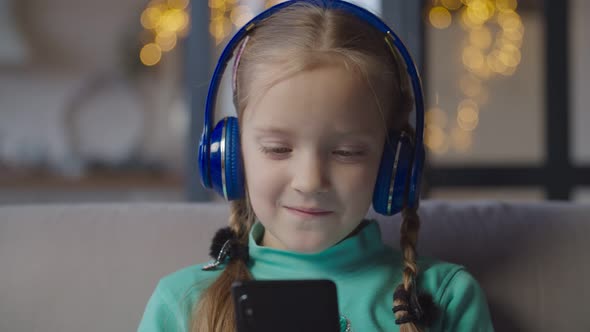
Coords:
365,271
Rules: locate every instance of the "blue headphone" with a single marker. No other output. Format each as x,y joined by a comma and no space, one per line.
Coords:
400,170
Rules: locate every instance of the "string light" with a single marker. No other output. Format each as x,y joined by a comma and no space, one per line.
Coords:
227,15
164,22
492,48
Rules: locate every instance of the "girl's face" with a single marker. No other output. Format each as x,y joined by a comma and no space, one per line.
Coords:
311,146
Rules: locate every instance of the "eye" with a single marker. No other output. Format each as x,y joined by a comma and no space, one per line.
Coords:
349,153
275,150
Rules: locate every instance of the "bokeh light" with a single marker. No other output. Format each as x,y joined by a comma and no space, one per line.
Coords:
436,139
164,21
506,5
473,58
452,4
150,18
480,11
178,4
166,40
468,115
173,20
150,54
436,116
440,17
481,37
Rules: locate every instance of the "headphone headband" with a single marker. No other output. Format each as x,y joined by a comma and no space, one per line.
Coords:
390,38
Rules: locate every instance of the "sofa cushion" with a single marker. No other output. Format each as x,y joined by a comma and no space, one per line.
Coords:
92,267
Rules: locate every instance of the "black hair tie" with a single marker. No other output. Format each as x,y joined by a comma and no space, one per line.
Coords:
405,319
401,307
226,247
420,308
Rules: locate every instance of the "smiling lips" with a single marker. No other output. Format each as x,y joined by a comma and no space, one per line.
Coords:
308,212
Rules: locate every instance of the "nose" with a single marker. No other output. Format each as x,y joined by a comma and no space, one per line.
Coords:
309,175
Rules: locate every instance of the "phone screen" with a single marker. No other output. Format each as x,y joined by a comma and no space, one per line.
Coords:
286,305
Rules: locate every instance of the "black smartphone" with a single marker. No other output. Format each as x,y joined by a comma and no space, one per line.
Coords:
286,306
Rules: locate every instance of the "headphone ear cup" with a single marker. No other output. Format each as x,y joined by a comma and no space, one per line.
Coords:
225,160
394,170
233,160
416,179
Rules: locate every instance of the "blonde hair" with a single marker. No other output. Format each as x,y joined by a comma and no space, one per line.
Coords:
301,37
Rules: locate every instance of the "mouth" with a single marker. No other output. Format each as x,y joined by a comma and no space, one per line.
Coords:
308,212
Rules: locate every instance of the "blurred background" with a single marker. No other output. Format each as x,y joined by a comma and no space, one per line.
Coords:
103,101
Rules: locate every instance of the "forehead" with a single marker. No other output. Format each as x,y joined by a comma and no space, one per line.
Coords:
324,98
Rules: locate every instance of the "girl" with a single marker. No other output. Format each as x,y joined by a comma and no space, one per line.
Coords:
319,92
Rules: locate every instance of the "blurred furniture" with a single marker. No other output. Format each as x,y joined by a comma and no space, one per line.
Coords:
92,267
100,186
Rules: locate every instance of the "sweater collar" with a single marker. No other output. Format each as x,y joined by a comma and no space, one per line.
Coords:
349,255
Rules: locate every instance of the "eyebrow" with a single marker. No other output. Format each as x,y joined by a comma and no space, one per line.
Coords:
272,130
289,132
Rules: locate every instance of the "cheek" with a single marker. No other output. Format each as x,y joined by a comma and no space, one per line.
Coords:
356,186
261,176
359,176
357,182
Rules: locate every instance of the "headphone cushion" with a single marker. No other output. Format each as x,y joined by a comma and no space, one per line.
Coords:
233,160
204,162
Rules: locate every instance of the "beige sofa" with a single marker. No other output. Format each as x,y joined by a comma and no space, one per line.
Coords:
91,268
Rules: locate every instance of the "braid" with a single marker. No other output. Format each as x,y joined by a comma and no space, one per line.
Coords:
214,311
408,241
